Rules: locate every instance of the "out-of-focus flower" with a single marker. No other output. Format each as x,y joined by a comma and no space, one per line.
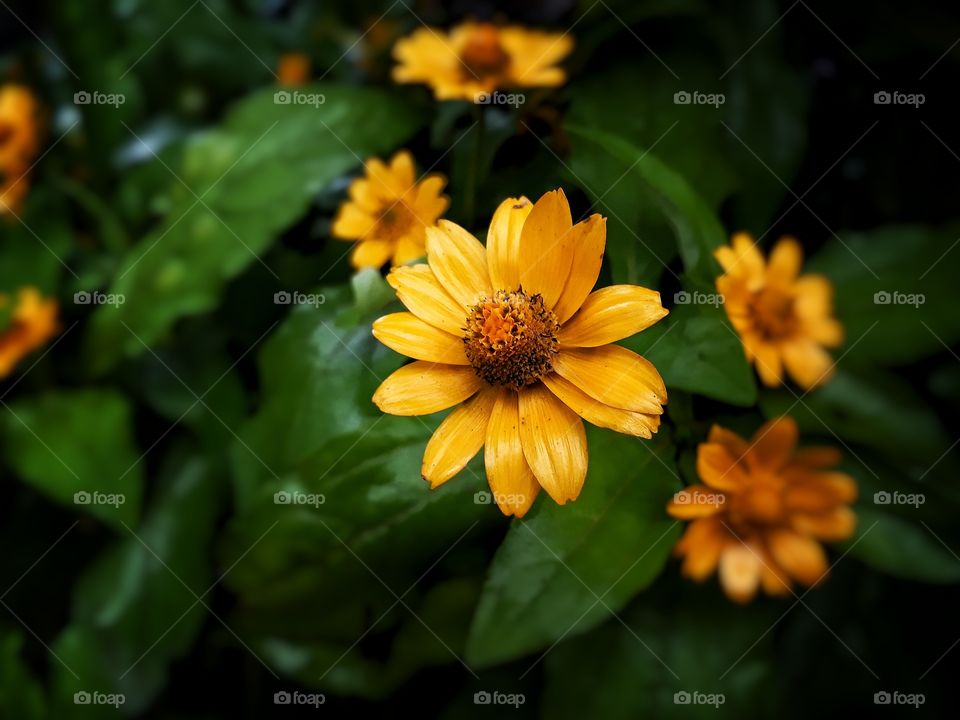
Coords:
513,332
20,132
293,69
784,319
14,187
474,59
762,511
389,212
32,323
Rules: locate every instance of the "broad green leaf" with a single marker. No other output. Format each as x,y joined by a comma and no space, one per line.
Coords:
135,609
894,282
546,578
668,651
21,695
253,176
77,447
892,544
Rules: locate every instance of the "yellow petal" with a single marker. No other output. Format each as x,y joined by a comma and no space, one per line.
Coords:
593,411
511,480
773,444
371,253
459,437
832,526
808,363
421,388
554,443
615,376
768,364
409,335
460,263
418,288
410,247
739,572
802,557
546,251
403,169
431,203
703,542
786,258
742,259
734,444
352,222
503,242
719,468
588,241
696,501
610,314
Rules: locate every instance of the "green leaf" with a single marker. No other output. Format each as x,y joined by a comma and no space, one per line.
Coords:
76,447
546,577
678,645
254,176
21,696
696,228
894,282
894,545
135,609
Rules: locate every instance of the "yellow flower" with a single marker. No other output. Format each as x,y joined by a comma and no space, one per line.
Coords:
513,332
20,128
389,211
33,323
477,58
762,510
784,319
293,69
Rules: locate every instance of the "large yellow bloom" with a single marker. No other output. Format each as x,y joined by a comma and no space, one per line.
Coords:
784,319
33,323
514,333
762,510
389,211
477,58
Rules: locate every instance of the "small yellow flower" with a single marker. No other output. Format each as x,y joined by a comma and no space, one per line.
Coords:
513,332
477,58
762,510
33,323
293,69
784,319
20,128
389,212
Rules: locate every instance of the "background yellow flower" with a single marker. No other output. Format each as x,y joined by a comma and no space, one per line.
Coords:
33,322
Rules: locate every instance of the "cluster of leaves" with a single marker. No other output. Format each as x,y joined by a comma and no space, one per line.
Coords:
198,398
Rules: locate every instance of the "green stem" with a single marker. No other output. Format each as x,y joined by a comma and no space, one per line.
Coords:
474,170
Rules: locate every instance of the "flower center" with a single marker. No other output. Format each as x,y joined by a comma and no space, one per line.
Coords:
6,133
511,339
395,219
773,312
483,54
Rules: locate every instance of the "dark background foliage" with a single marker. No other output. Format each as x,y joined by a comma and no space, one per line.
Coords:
200,398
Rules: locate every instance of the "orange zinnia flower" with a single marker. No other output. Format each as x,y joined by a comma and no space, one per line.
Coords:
33,323
514,333
293,69
477,58
389,212
762,510
784,319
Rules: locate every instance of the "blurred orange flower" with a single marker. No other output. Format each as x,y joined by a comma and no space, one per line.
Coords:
477,58
389,212
513,332
293,69
784,319
762,511
20,133
33,322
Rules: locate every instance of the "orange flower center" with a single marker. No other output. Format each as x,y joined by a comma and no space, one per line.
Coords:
395,220
773,312
511,339
760,503
483,54
7,132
